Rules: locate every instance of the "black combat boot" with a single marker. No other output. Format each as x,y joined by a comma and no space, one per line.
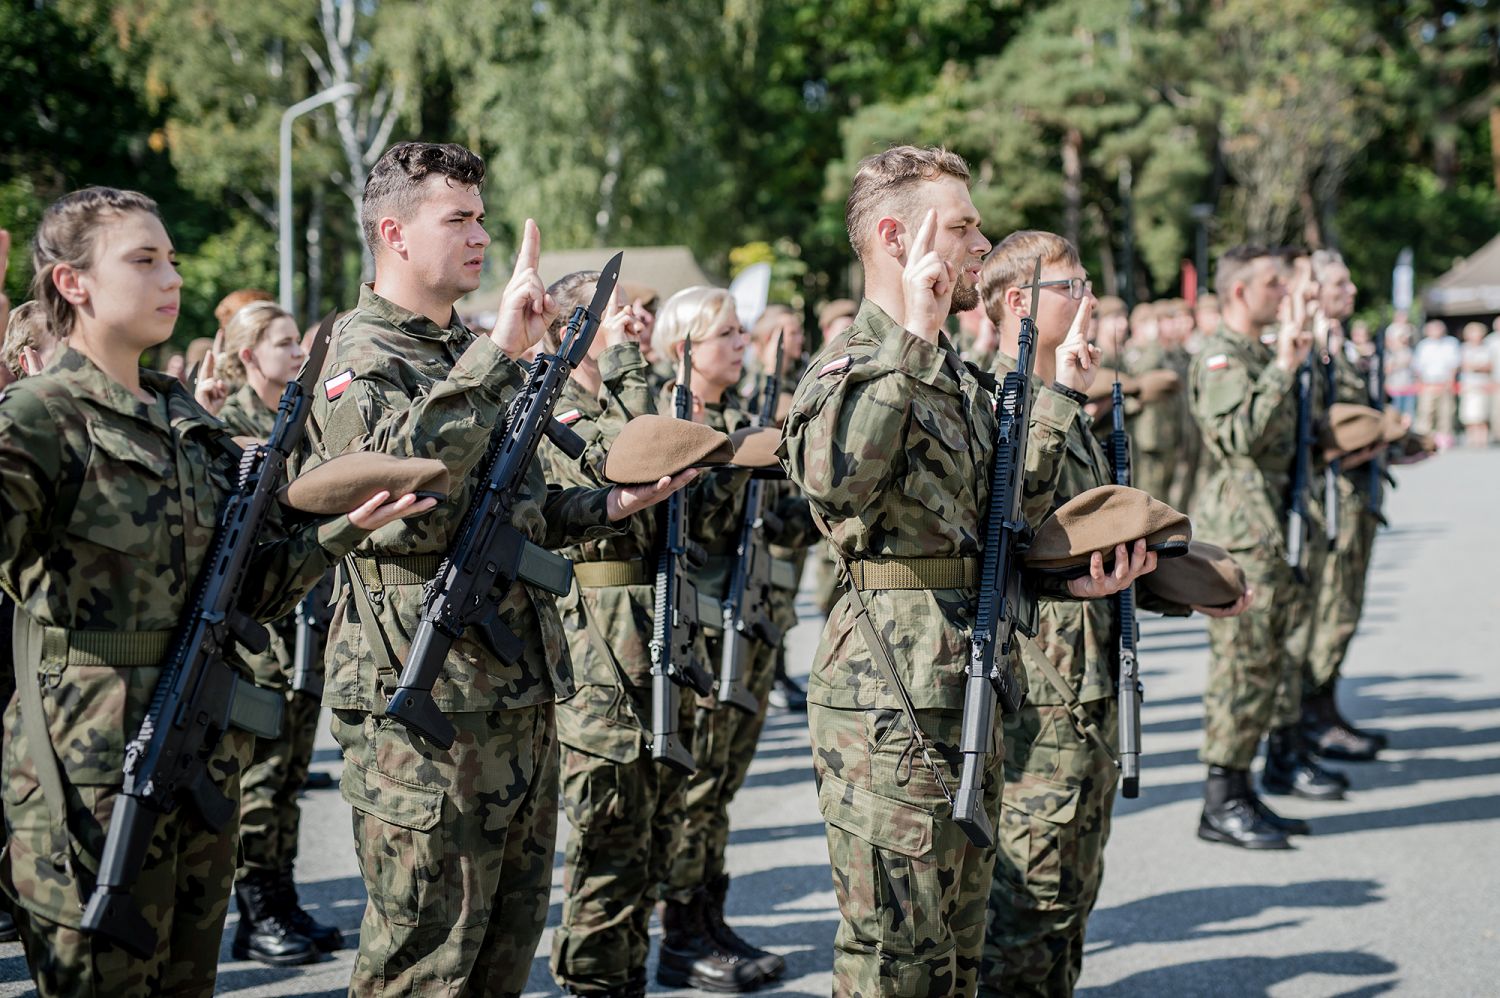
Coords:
326,938
691,957
1328,735
771,965
1288,826
264,934
1230,816
1291,769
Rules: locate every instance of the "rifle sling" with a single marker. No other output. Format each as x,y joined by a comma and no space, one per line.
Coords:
26,644
369,623
1082,723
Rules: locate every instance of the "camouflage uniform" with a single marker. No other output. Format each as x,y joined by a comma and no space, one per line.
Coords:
1059,779
269,814
624,807
891,438
1189,441
455,846
1156,432
724,738
108,507
1246,409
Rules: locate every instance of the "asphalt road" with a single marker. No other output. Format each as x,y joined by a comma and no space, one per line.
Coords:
1395,893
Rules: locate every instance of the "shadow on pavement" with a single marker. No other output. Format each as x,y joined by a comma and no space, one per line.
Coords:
1249,975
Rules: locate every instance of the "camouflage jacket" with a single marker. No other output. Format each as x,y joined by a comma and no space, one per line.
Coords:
400,384
108,508
1157,428
247,416
891,438
1080,638
1246,408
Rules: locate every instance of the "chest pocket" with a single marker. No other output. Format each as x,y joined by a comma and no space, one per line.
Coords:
127,491
200,473
941,472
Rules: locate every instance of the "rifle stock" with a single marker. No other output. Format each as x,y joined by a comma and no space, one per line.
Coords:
1296,515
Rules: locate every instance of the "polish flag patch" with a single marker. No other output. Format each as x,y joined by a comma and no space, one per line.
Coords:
334,386
570,417
834,367
1217,362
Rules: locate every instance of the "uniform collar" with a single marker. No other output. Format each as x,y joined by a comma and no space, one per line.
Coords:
904,351
86,379
410,322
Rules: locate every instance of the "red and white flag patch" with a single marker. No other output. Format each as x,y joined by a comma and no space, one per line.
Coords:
334,386
570,417
834,367
1217,362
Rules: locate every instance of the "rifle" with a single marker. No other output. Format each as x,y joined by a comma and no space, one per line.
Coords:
167,760
675,621
1335,467
1296,514
491,555
313,618
747,609
1004,604
1375,504
1129,684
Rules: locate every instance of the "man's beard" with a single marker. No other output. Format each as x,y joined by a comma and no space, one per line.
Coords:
965,297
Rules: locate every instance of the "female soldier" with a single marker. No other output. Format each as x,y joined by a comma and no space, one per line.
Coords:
110,481
262,352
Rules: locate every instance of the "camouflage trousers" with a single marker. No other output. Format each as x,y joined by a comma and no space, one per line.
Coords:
1306,626
1059,799
455,848
625,810
1341,600
723,746
183,889
1247,659
1153,473
911,887
270,816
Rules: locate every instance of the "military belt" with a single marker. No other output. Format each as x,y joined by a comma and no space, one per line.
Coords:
914,573
595,574
539,567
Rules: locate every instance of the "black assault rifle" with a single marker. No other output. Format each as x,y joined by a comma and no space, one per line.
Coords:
312,620
1004,604
1335,466
491,555
166,763
675,621
1129,687
1376,472
747,608
1296,510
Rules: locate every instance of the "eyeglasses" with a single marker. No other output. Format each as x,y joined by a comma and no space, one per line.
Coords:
1077,287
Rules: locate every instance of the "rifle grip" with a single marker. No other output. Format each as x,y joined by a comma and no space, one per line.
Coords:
566,440
419,712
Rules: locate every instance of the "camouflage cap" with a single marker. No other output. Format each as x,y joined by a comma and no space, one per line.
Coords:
1099,519
346,482
1157,384
651,447
1206,576
1353,428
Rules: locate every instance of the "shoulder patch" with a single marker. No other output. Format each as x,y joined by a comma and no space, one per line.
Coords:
334,386
570,417
1217,362
837,366
1268,338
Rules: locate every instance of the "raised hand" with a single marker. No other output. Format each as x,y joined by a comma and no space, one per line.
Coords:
621,324
1294,338
928,282
525,309
210,391
1077,358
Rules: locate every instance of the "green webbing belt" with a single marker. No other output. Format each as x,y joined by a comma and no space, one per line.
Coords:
539,567
123,649
597,574
914,573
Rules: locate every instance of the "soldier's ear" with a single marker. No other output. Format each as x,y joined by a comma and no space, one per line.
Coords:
68,280
890,237
1017,302
393,236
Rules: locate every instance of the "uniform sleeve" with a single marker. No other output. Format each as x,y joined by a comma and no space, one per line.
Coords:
1052,416
290,566
842,440
1234,411
622,369
575,515
31,463
797,527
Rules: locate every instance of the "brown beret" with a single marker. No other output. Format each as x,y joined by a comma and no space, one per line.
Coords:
651,447
1206,576
1099,519
1104,384
1415,444
1157,384
343,484
755,446
1352,428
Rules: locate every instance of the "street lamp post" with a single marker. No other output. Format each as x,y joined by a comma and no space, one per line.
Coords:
284,193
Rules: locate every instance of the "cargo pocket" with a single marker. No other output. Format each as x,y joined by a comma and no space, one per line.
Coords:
598,720
91,710
1037,841
401,846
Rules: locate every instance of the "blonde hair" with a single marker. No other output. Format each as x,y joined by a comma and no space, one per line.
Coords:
568,293
69,235
27,328
1012,263
690,314
891,176
245,331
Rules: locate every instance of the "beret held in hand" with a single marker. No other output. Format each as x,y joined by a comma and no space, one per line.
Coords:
1206,576
652,447
345,483
1098,520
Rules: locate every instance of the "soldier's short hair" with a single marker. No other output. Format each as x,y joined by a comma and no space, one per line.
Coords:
886,180
1144,313
1012,263
1108,307
1324,260
690,314
392,188
247,327
68,234
236,300
1234,265
568,292
770,319
27,328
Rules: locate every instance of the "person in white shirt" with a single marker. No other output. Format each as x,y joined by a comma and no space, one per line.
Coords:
1436,361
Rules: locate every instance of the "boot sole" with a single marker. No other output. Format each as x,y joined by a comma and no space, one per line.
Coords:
1339,755
679,979
244,953
1210,835
1275,791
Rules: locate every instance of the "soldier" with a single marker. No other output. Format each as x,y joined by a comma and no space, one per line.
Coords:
1060,769
29,345
1156,431
263,351
455,845
111,478
1243,395
1342,593
724,737
891,438
1175,332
